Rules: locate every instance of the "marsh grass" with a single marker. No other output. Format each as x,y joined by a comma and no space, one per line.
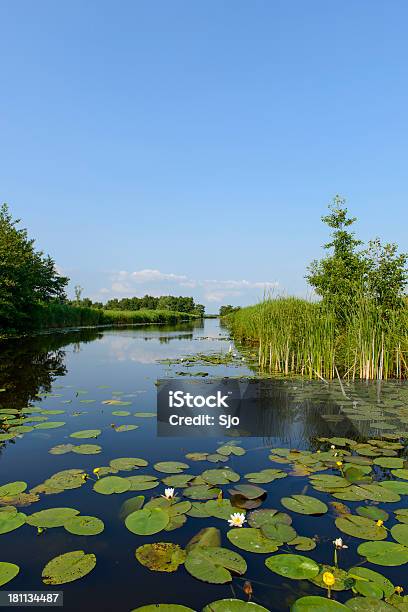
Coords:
296,336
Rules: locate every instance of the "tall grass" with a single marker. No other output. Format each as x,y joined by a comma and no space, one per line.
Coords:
295,336
47,316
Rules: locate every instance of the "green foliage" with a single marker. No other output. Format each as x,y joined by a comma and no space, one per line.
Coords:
27,276
228,309
166,303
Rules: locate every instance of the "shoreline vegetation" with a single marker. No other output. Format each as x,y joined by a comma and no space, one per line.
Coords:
358,327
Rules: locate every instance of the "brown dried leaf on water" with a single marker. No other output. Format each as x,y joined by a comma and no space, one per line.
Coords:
339,508
20,500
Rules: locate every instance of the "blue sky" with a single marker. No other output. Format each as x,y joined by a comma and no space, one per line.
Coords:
191,147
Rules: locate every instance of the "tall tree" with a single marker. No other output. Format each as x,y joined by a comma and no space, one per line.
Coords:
27,276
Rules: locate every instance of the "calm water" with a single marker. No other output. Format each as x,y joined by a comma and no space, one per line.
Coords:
123,363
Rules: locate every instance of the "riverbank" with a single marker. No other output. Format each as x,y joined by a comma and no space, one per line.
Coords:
298,337
57,316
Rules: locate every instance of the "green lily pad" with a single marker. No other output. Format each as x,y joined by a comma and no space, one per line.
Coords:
142,483
233,605
401,515
61,449
386,588
361,527
121,413
214,564
131,505
178,480
396,486
147,521
87,449
68,567
127,463
10,520
372,512
400,473
161,556
304,504
200,492
221,509
126,428
86,433
220,476
252,540
389,462
145,414
209,536
303,543
296,567
228,449
12,488
369,604
170,467
259,518
384,553
111,484
315,603
265,476
8,571
249,491
400,533
84,525
52,517
50,425
280,532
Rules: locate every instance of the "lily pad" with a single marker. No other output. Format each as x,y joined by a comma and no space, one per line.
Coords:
142,483
10,520
252,540
86,433
170,467
249,491
233,605
131,505
8,571
229,449
304,504
361,527
200,492
220,476
209,536
386,588
369,604
161,556
214,564
52,517
87,449
61,449
68,567
265,476
343,581
296,567
147,521
84,525
111,484
389,462
384,553
126,428
50,425
127,463
12,488
372,512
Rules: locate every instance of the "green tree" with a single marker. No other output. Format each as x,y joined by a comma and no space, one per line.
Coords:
385,274
27,276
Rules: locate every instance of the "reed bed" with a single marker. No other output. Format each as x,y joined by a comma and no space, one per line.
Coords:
300,337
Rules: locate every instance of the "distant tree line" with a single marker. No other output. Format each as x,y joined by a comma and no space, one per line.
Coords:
147,302
228,309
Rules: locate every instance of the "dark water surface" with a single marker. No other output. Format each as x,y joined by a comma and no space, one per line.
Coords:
123,364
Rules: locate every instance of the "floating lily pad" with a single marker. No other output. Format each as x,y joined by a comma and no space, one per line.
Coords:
265,476
142,483
372,512
122,413
126,427
399,532
161,556
296,567
200,492
303,543
68,567
11,520
8,571
229,449
372,581
369,604
116,402
178,480
50,425
249,491
84,525
304,504
170,467
343,581
12,488
61,449
389,462
147,521
214,564
316,603
361,527
252,540
209,536
86,433
220,476
131,505
111,484
127,463
52,517
233,605
384,553
145,415
87,449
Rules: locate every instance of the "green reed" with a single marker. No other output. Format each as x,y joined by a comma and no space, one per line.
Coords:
295,336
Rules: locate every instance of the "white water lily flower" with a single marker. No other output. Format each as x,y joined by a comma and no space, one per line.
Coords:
333,447
338,543
168,493
237,519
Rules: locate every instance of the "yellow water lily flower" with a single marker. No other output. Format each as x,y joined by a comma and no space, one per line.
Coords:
328,579
398,590
379,523
339,463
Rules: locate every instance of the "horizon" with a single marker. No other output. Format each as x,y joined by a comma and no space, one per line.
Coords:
192,149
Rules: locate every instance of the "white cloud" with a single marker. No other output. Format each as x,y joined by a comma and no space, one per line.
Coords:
155,282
